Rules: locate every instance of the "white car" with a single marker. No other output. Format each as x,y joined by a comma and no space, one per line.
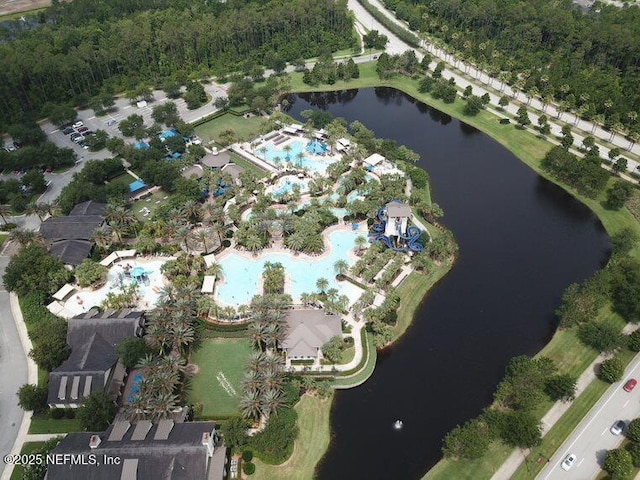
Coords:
569,461
618,427
78,124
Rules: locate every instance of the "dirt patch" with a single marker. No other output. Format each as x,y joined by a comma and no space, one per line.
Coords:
15,6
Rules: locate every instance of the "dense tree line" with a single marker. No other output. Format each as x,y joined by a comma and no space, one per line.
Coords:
61,62
587,61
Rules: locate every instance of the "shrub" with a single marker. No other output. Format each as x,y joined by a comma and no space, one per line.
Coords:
248,468
611,370
56,413
69,413
97,412
504,121
7,227
561,387
468,441
601,336
274,444
634,341
618,463
633,432
634,450
617,195
32,398
247,456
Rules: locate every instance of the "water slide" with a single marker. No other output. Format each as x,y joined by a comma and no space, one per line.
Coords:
412,236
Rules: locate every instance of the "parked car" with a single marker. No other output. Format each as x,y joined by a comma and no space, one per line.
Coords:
89,132
83,129
68,130
48,169
569,461
78,124
618,427
630,385
74,136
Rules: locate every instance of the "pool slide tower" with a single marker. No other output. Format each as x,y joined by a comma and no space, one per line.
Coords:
393,228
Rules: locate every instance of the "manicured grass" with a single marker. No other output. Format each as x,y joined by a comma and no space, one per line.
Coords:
413,291
245,128
124,179
364,370
312,441
45,424
18,15
154,201
219,359
347,354
27,448
247,165
3,239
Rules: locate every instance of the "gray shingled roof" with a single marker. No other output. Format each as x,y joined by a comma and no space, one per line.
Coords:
193,170
71,252
396,209
113,326
76,227
180,457
89,208
215,161
308,330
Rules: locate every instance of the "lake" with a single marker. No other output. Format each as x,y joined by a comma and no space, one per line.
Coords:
522,241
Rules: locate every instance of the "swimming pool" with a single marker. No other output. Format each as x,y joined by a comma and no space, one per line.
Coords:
284,185
135,387
148,289
241,274
315,163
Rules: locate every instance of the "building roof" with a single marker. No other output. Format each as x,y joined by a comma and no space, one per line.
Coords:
374,159
193,170
71,252
93,338
217,161
88,208
233,170
73,227
308,330
112,325
173,452
397,209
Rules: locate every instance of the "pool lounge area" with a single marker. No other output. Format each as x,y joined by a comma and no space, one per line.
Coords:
313,155
242,273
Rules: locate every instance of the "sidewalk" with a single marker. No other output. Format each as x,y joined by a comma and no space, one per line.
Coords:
554,414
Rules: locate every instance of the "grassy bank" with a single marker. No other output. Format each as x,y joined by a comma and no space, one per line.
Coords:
564,347
44,424
364,370
312,441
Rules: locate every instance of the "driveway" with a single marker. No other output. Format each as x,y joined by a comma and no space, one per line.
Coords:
13,372
591,439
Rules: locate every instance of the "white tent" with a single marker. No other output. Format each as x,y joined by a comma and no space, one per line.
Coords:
374,159
58,309
208,284
209,259
63,292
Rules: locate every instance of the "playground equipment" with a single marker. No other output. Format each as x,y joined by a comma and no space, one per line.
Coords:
395,226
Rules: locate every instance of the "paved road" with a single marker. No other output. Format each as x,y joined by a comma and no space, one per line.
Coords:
13,372
592,438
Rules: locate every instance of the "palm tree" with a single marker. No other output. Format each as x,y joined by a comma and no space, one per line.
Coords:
35,209
215,269
4,211
360,242
322,284
263,151
162,405
341,267
50,208
272,399
252,381
253,243
191,210
184,235
181,337
256,362
25,237
299,157
257,334
103,236
287,149
250,404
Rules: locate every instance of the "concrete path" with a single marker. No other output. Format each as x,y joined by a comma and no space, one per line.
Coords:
16,369
554,414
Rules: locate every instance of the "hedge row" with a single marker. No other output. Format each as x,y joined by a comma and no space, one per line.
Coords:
393,27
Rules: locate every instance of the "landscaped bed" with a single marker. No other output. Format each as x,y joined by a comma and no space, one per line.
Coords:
217,386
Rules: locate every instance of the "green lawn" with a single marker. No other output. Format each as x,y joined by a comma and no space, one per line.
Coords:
245,128
124,179
27,448
44,424
312,441
364,370
247,165
222,364
154,201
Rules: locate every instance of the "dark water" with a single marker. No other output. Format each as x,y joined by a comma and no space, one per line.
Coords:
522,241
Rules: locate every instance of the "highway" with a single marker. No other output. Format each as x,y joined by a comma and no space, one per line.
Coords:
591,439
